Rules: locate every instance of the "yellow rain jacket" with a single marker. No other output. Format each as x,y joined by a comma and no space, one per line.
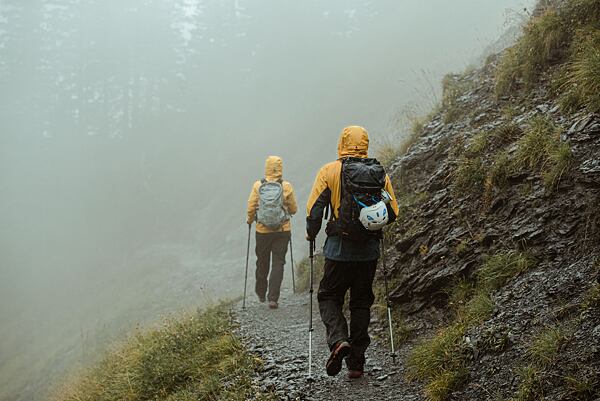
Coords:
353,142
273,172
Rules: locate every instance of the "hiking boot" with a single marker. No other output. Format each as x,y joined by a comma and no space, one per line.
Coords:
334,363
261,299
273,305
355,374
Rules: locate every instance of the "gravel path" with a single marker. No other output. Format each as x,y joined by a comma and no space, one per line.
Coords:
280,338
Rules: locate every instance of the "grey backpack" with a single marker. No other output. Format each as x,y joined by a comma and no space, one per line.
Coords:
271,212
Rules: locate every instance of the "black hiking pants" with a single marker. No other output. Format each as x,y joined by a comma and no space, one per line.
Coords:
271,249
338,278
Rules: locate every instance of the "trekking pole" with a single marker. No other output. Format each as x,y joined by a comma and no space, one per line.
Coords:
292,257
387,299
247,258
310,321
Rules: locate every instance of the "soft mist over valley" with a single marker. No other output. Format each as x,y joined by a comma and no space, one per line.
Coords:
132,132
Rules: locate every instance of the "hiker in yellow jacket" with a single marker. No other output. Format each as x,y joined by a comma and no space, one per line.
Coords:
271,204
361,201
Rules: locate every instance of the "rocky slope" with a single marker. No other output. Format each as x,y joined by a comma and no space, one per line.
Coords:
485,183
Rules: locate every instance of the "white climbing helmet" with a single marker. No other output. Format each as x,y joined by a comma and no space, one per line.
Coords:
374,217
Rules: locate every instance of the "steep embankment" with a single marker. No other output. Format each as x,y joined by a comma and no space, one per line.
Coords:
496,255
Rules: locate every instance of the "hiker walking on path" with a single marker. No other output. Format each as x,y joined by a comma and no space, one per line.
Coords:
361,200
271,204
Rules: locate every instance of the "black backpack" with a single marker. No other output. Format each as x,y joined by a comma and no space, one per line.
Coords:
362,180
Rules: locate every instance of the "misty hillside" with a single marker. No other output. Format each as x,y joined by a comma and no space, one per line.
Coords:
128,125
494,259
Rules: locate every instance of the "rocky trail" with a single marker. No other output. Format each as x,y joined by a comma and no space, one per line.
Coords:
280,338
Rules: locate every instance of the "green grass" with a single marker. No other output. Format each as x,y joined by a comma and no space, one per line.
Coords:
538,141
478,145
544,42
469,175
501,267
195,357
591,299
438,355
581,82
443,384
477,309
530,387
540,148
499,171
557,164
545,346
303,273
582,386
506,133
557,37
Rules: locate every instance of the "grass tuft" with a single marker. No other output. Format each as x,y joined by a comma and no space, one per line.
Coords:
195,357
536,143
558,162
544,42
437,356
501,267
530,388
469,175
545,346
582,386
591,299
581,87
540,147
439,388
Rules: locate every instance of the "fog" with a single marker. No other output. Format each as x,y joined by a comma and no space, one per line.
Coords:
132,130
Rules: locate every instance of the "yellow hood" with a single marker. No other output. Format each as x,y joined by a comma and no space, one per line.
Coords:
354,141
273,168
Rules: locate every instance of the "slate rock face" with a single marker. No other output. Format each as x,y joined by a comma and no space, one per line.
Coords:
524,215
447,234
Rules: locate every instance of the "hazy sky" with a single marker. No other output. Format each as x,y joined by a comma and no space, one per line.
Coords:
132,131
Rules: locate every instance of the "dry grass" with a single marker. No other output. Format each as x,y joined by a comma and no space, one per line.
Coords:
544,42
195,357
581,83
303,273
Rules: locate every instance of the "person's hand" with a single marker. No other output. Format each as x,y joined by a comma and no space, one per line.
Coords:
309,238
249,222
